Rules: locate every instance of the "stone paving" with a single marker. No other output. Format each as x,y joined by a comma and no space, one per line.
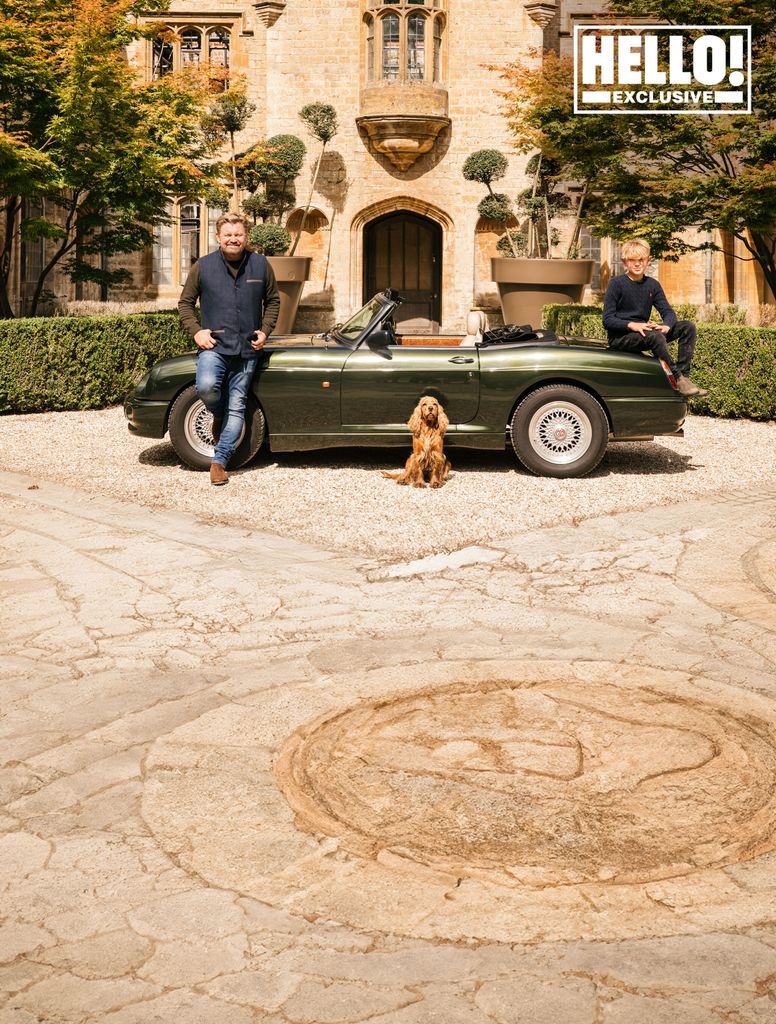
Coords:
245,779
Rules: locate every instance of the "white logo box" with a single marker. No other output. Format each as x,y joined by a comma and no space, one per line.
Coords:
617,69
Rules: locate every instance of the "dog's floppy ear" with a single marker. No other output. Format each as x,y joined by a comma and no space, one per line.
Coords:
414,421
442,421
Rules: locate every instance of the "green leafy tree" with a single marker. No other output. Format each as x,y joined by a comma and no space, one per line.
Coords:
656,177
321,121
268,170
79,130
229,114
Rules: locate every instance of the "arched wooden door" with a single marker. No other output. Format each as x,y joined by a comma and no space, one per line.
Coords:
404,251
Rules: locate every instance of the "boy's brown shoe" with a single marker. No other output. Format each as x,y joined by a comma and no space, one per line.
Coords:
218,474
688,389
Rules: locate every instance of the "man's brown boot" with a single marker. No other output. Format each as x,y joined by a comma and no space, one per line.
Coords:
215,430
218,474
688,389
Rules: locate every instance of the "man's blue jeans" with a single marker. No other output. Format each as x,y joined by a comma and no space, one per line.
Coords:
222,384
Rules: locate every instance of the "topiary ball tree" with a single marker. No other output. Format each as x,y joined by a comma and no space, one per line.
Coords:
270,239
487,166
495,206
321,121
273,164
284,158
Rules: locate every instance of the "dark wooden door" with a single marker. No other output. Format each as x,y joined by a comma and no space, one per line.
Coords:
404,251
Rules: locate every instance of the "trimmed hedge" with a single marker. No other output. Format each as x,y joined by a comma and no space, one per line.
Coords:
573,319
54,363
736,364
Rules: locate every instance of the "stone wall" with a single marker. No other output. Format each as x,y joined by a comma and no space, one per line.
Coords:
369,184
313,50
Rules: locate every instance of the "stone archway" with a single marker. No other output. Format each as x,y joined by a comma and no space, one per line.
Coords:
423,237
403,250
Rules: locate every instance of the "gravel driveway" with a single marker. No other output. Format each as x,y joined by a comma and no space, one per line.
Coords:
337,499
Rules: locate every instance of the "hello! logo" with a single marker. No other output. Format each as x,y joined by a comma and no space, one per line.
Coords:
662,69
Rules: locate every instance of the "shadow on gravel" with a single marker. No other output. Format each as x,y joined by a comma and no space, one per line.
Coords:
625,459
640,459
162,454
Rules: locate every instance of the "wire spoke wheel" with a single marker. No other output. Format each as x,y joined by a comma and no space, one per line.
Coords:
559,430
560,433
191,431
198,429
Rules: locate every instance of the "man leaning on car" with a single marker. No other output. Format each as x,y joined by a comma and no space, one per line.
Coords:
239,307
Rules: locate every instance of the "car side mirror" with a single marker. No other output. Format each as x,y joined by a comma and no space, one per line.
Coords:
379,341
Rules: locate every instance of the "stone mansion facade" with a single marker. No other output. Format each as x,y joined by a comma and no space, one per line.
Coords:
414,96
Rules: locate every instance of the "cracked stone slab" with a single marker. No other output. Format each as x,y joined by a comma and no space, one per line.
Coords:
188,834
439,563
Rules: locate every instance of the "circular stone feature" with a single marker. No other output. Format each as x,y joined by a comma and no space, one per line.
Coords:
543,783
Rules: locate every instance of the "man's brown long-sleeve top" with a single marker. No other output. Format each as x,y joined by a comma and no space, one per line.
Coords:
192,288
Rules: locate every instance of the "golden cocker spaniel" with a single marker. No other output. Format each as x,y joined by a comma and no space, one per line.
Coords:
427,424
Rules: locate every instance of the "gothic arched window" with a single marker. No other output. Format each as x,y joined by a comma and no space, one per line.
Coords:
162,58
438,49
390,33
416,47
370,48
178,46
411,40
191,46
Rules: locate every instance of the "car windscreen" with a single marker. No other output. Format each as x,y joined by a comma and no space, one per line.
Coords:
350,332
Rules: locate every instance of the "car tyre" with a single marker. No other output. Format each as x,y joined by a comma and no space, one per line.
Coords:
559,431
191,431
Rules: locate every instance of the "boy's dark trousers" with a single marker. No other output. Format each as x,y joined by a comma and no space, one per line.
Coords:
683,332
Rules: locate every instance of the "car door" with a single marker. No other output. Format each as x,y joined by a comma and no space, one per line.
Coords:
299,389
382,386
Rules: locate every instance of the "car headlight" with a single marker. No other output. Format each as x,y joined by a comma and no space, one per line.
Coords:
142,384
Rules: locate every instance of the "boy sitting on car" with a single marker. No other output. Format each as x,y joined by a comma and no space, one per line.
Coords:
627,317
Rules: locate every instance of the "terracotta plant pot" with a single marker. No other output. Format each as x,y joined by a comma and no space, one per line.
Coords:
291,273
526,286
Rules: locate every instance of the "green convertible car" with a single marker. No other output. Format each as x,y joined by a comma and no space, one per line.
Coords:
558,401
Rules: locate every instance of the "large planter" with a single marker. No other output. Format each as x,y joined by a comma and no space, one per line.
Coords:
291,273
526,286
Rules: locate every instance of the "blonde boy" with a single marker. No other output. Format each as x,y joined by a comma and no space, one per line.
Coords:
628,305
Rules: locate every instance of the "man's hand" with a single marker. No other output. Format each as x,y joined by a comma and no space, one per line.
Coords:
259,340
204,339
658,327
638,327
650,325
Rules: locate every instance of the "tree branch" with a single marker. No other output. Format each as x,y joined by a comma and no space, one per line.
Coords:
67,244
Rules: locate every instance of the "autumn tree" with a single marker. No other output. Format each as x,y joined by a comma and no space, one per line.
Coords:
656,177
79,130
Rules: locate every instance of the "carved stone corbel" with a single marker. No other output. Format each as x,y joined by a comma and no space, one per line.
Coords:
268,11
541,11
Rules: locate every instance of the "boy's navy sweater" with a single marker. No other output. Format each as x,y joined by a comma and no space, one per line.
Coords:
629,301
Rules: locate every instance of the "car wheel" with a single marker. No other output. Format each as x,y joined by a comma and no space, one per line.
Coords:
559,431
191,431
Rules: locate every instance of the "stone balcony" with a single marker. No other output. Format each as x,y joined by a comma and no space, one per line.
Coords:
403,120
